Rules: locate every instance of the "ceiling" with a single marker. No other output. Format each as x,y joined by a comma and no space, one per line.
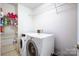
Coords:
14,4
32,5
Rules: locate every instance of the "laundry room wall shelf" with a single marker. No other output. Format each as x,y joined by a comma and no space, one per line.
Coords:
9,33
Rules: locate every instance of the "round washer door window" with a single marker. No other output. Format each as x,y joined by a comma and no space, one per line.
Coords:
21,43
31,48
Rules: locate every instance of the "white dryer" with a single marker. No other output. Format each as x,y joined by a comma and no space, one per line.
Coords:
40,44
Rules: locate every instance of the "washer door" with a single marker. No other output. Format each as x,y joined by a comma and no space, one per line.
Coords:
31,48
21,44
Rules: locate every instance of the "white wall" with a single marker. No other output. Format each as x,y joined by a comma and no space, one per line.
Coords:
78,23
61,23
25,19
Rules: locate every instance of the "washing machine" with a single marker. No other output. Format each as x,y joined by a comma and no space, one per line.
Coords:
22,45
40,44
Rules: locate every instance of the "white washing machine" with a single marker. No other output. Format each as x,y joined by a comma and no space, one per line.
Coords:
23,42
40,44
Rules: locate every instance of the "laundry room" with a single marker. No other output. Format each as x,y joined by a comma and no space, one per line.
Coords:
58,19
40,29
